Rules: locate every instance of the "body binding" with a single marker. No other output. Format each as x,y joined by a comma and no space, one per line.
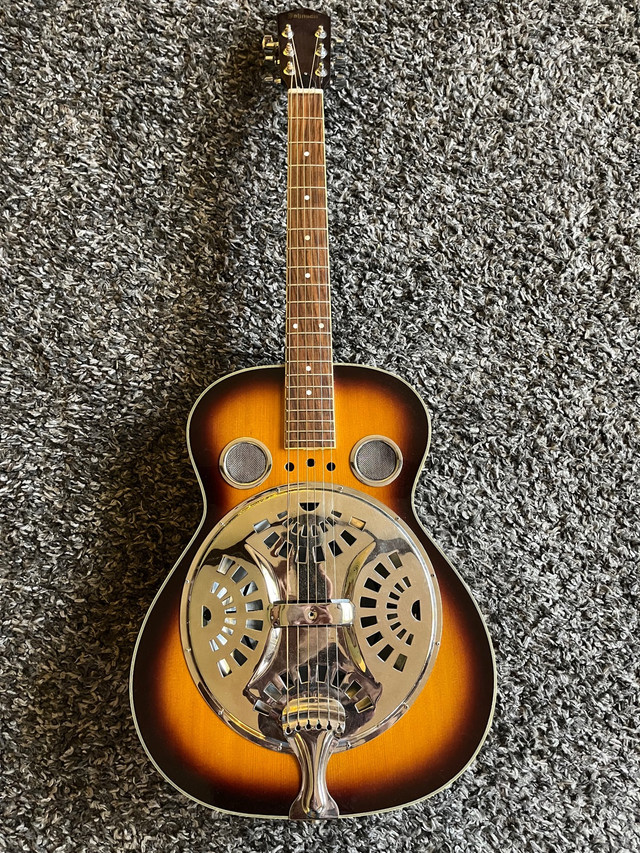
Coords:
443,730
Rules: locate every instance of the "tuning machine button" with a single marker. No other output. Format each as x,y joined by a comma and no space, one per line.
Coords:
321,71
271,50
337,67
269,43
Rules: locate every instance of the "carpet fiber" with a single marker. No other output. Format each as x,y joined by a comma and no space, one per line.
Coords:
484,193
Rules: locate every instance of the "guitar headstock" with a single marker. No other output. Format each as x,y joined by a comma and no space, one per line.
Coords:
300,54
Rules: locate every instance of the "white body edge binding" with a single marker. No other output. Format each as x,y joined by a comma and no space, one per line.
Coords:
197,531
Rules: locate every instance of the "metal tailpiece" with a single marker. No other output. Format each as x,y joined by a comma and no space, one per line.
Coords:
317,722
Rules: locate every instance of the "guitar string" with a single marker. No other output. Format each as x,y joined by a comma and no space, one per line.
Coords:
327,356
312,399
288,412
298,405
332,442
309,403
314,334
318,332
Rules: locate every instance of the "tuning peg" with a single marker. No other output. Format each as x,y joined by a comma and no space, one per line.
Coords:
269,42
271,58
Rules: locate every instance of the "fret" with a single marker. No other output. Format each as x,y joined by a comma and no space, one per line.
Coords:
325,411
311,429
329,431
317,214
315,434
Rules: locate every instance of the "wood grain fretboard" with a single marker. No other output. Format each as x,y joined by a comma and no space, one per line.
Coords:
309,413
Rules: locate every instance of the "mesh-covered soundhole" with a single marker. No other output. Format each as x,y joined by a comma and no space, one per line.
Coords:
376,460
245,463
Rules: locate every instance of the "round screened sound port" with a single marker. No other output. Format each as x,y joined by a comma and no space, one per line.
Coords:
376,460
245,463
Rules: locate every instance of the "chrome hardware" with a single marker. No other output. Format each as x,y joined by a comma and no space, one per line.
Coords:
289,50
321,71
321,51
271,59
311,726
289,69
310,591
287,32
320,613
321,33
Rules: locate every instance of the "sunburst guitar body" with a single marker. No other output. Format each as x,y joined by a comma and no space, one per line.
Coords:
313,654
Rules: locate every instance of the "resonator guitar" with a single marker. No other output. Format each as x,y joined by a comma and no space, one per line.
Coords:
313,654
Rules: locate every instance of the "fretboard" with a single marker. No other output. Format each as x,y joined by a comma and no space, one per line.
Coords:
309,415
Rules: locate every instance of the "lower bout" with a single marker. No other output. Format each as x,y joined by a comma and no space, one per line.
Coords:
419,755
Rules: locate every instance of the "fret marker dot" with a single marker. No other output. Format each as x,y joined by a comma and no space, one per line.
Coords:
308,367
321,325
295,325
306,198
307,237
306,153
308,393
307,275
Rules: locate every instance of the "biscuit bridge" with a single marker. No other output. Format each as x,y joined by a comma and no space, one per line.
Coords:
339,611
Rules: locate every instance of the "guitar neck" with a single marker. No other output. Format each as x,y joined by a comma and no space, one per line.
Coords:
309,413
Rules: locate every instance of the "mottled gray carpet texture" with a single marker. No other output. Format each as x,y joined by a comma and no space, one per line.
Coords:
484,182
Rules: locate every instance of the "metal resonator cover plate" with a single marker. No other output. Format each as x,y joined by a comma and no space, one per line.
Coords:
310,592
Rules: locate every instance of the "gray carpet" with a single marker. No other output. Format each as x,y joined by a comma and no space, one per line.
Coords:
484,178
